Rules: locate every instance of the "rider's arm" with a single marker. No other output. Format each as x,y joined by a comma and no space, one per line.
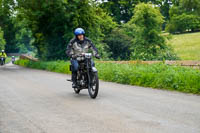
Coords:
5,55
93,48
70,50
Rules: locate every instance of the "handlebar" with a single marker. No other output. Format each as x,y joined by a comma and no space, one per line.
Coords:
85,55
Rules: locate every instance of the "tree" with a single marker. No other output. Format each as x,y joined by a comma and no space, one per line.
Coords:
52,24
190,6
121,10
184,17
7,8
165,7
2,40
23,36
119,42
183,23
148,43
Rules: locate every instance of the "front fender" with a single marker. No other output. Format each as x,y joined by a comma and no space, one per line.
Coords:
94,69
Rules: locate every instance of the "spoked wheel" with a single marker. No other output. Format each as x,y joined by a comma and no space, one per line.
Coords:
76,90
93,87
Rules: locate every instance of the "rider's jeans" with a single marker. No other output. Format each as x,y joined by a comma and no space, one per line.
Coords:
4,60
75,65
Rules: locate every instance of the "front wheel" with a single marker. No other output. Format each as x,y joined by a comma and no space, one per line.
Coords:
93,87
2,63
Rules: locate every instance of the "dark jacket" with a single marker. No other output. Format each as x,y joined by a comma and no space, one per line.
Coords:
76,47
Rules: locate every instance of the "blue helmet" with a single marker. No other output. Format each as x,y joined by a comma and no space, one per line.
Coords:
79,31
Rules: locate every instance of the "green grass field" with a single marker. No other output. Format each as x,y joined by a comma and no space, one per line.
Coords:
187,46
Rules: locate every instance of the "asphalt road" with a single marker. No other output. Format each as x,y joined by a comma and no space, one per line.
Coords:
34,101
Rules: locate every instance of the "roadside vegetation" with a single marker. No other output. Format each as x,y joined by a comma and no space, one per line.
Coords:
8,59
155,75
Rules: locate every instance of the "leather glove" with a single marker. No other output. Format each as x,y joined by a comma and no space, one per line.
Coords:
97,56
73,56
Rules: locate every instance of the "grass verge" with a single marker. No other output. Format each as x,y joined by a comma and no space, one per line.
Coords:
155,75
8,59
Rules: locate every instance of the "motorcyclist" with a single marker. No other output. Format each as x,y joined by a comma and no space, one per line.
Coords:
3,54
13,59
78,45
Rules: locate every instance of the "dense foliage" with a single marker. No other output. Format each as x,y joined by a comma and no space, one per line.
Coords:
119,42
7,25
52,24
2,40
120,29
148,43
184,22
184,17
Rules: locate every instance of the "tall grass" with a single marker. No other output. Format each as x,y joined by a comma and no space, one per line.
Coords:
53,66
155,75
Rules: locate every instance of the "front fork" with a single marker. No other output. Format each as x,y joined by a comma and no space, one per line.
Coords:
89,65
91,70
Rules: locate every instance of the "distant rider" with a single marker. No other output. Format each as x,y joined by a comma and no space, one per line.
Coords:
78,45
13,59
3,54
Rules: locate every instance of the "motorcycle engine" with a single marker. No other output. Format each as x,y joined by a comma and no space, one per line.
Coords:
82,83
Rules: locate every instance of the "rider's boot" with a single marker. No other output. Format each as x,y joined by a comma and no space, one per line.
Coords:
74,80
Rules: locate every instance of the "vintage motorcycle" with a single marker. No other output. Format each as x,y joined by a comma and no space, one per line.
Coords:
87,75
13,60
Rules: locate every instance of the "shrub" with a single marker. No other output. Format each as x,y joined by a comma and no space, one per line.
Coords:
2,40
183,23
119,44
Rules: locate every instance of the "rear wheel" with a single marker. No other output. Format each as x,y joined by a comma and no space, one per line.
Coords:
93,87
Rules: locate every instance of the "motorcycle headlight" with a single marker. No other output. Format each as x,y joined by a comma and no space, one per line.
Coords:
88,55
